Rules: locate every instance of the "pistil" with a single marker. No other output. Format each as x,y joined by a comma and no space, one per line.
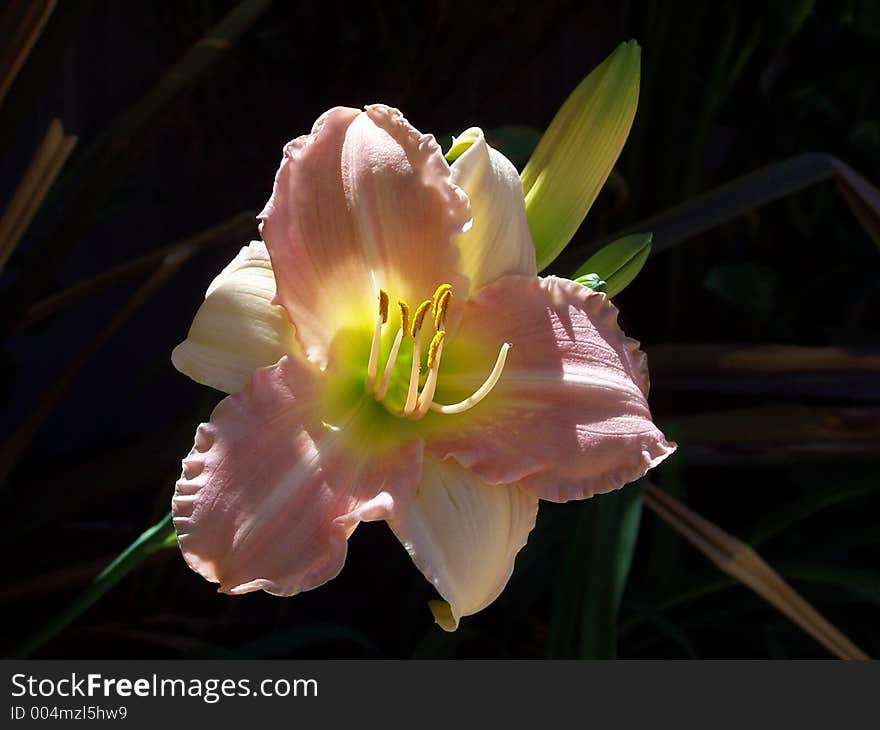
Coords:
419,402
480,392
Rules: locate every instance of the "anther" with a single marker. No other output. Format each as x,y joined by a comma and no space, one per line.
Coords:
438,293
383,305
419,316
436,341
440,309
404,316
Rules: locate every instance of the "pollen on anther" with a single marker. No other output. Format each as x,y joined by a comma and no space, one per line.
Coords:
440,309
438,295
404,316
383,305
434,346
419,316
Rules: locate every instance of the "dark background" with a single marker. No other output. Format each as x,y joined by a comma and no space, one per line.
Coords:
727,88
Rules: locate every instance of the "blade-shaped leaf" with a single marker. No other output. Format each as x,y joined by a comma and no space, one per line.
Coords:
618,263
593,576
578,150
33,187
153,539
738,560
754,190
96,173
787,433
777,370
22,22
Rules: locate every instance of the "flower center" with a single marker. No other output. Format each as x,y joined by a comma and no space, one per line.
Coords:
420,400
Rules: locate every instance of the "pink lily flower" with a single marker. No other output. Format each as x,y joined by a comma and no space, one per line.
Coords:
392,355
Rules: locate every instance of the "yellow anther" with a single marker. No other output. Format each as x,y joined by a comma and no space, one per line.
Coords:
440,309
438,294
434,346
419,316
383,305
404,316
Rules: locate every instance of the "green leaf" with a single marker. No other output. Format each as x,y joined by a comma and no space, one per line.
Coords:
614,542
578,150
154,538
749,192
774,434
618,263
808,503
593,576
864,584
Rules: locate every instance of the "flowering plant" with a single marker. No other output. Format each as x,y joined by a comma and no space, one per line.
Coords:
391,354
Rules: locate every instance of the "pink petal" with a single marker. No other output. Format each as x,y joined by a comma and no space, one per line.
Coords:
569,417
269,494
363,202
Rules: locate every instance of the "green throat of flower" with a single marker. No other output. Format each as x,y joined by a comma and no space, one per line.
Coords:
419,388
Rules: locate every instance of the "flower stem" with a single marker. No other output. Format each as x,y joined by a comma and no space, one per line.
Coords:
159,536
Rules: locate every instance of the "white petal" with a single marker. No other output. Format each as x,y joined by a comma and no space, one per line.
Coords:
237,329
464,535
499,242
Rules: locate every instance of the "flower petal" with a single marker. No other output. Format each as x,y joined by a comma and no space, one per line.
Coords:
237,329
269,494
363,202
569,416
464,535
499,242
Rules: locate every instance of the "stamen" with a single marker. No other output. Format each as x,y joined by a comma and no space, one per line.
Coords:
438,293
412,394
373,364
435,351
434,347
404,316
389,366
383,305
480,392
419,316
440,310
